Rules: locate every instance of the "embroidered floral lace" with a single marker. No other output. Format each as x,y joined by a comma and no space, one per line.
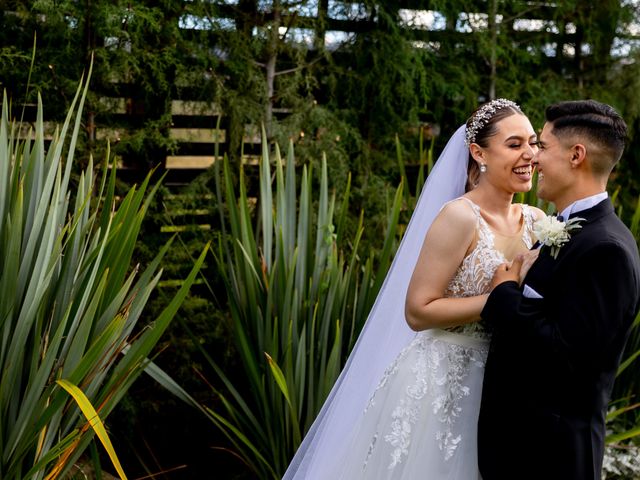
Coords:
474,274
439,368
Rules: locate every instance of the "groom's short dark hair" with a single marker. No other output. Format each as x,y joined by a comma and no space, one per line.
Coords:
594,121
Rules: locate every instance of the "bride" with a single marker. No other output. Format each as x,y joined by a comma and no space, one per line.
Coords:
406,405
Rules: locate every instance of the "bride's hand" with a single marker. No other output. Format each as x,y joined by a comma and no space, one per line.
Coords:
529,257
508,272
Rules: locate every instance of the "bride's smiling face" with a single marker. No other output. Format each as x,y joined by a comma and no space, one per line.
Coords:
508,154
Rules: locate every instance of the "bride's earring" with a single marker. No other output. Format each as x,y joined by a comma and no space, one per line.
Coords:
483,168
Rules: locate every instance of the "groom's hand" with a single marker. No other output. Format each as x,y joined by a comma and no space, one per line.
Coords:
508,272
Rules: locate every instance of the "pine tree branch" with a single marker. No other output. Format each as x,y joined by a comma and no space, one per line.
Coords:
300,67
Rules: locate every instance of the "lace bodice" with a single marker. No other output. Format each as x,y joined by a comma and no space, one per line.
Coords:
474,274
421,420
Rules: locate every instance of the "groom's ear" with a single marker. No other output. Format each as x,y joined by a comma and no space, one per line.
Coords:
578,154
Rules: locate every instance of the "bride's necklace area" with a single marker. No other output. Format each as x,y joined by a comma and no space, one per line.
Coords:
508,244
498,223
490,221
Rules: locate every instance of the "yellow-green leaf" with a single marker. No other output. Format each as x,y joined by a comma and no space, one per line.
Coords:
279,377
94,421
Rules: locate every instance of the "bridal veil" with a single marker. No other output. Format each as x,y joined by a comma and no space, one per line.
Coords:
386,332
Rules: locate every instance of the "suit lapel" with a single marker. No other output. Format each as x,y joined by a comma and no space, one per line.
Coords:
539,274
594,213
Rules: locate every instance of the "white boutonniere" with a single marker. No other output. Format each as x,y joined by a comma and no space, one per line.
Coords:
553,233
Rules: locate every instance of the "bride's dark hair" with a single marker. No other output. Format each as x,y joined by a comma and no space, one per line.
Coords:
482,135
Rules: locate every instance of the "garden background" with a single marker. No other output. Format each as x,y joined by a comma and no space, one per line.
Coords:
360,98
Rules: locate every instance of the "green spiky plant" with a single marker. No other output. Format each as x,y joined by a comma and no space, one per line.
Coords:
70,297
298,298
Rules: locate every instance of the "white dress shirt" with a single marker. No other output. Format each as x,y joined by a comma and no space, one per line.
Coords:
583,204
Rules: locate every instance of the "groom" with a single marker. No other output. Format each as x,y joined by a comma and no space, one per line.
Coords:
558,338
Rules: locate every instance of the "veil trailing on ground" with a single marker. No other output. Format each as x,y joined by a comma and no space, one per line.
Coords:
385,333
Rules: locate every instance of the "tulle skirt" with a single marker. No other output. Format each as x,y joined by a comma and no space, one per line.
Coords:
421,422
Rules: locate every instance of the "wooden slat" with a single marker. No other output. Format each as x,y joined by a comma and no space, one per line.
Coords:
27,130
251,134
251,159
111,134
189,161
184,228
186,107
114,104
178,162
199,135
178,212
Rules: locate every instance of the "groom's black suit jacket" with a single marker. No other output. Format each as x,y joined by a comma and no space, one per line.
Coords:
552,361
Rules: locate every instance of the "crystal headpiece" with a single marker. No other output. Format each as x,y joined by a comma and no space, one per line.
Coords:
482,117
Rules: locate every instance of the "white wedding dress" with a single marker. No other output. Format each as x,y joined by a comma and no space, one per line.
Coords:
421,421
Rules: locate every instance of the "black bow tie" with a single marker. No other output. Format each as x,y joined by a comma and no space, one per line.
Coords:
560,218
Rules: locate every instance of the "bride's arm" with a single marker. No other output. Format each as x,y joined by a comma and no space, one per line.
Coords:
447,242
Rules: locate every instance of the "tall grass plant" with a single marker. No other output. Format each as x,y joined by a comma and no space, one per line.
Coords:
298,292
70,298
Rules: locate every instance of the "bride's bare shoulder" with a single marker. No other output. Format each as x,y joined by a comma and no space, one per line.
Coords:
457,217
459,211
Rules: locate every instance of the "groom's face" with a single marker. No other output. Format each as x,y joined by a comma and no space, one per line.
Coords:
554,167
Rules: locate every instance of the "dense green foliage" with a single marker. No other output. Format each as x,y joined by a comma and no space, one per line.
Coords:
358,81
288,64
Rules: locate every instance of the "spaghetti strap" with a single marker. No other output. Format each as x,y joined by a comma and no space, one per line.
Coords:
474,207
528,237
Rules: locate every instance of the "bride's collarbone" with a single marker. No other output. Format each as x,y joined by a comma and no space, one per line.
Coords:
510,226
